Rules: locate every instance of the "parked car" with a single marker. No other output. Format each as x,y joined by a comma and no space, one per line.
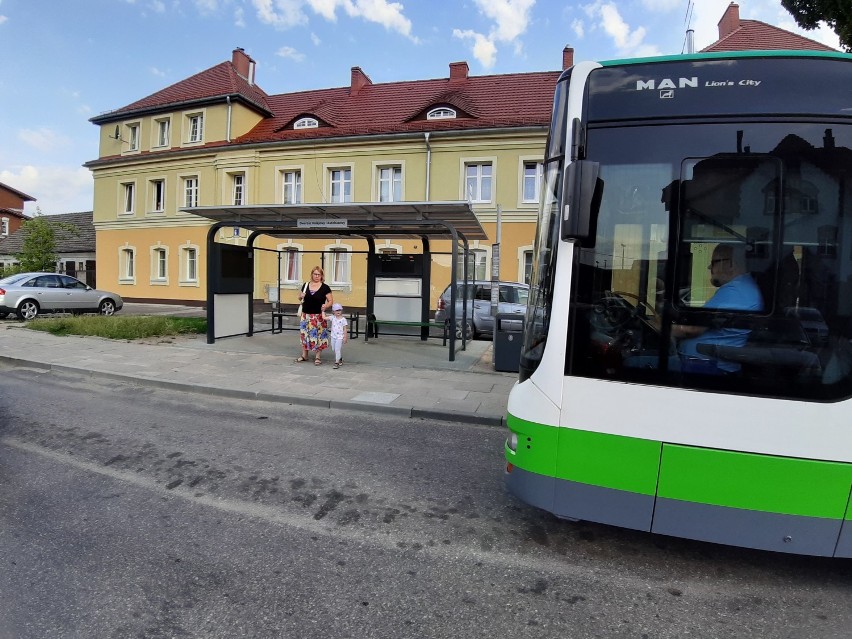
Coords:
512,299
29,294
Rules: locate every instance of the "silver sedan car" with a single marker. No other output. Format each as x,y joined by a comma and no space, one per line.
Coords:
29,294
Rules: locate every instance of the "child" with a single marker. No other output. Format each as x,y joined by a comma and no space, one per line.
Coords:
339,334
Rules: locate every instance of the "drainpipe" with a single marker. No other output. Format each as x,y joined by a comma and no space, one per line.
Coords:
428,163
228,100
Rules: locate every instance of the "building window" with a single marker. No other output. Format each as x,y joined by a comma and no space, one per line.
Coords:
306,123
339,266
478,182
239,189
341,185
158,195
533,172
827,241
129,195
441,113
4,226
292,187
189,265
159,264
526,267
133,137
476,265
196,127
390,184
163,132
190,191
127,264
290,265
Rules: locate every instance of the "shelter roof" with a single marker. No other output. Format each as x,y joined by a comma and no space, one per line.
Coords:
385,219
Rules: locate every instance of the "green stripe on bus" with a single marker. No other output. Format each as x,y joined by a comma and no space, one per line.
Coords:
755,482
728,55
599,459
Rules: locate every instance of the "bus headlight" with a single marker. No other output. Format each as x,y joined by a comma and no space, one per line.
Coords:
512,442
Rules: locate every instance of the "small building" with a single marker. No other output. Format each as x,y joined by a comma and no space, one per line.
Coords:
12,209
76,249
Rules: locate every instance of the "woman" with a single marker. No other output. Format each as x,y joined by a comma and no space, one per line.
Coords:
313,328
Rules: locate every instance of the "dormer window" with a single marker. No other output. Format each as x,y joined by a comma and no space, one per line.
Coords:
441,113
306,123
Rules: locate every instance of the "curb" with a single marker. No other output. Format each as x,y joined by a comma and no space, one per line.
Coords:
386,409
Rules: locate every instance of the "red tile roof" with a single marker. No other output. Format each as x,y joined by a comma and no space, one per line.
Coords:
512,100
214,84
754,35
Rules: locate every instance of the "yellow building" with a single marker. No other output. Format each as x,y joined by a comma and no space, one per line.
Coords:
218,139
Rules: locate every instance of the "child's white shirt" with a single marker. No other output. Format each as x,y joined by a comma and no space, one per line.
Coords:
338,327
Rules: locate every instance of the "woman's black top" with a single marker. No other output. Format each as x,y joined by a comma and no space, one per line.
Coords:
312,304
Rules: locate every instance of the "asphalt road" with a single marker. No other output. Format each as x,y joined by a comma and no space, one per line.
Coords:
131,512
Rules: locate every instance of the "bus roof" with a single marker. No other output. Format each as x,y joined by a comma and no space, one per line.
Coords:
722,55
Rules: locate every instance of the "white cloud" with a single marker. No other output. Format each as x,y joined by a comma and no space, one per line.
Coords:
57,189
281,14
43,139
484,49
3,19
629,41
578,28
158,72
291,53
511,19
158,6
662,5
207,6
239,17
388,14
315,39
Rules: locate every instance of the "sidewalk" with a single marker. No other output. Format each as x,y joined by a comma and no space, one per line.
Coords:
392,375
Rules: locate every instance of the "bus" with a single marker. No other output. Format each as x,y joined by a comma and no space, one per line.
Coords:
686,365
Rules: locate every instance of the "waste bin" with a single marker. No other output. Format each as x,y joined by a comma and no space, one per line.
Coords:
508,334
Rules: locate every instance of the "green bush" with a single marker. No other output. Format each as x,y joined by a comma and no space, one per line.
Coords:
125,327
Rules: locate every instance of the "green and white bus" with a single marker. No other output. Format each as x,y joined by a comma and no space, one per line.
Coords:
655,168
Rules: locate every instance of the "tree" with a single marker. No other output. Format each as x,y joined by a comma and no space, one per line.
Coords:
38,247
837,14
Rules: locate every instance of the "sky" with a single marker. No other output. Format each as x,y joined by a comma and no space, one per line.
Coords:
67,61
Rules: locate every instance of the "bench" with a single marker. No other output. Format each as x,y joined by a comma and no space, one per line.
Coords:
279,315
374,324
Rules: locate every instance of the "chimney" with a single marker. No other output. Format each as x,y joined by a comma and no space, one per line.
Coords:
243,64
359,81
730,21
567,57
458,71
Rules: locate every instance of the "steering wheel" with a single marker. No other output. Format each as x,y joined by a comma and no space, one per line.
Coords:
613,311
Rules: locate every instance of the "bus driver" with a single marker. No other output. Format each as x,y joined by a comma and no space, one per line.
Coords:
737,291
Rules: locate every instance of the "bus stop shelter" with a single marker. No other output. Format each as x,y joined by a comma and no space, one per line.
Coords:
230,268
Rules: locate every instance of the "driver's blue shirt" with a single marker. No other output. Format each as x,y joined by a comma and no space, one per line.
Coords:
740,294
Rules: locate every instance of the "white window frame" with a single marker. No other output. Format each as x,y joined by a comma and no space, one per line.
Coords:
388,248
194,127
159,265
127,198
162,133
238,190
481,256
4,226
190,184
396,181
157,197
474,169
306,123
134,131
441,113
534,181
523,251
346,179
333,271
290,178
127,264
288,278
189,265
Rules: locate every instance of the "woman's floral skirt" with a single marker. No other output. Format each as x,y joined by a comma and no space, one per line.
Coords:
313,330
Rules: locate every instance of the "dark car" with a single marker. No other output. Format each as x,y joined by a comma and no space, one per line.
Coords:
30,294
512,299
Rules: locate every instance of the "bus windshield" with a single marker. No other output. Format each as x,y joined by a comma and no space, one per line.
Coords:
708,239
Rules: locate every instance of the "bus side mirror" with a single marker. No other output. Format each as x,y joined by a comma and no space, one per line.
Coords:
581,197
